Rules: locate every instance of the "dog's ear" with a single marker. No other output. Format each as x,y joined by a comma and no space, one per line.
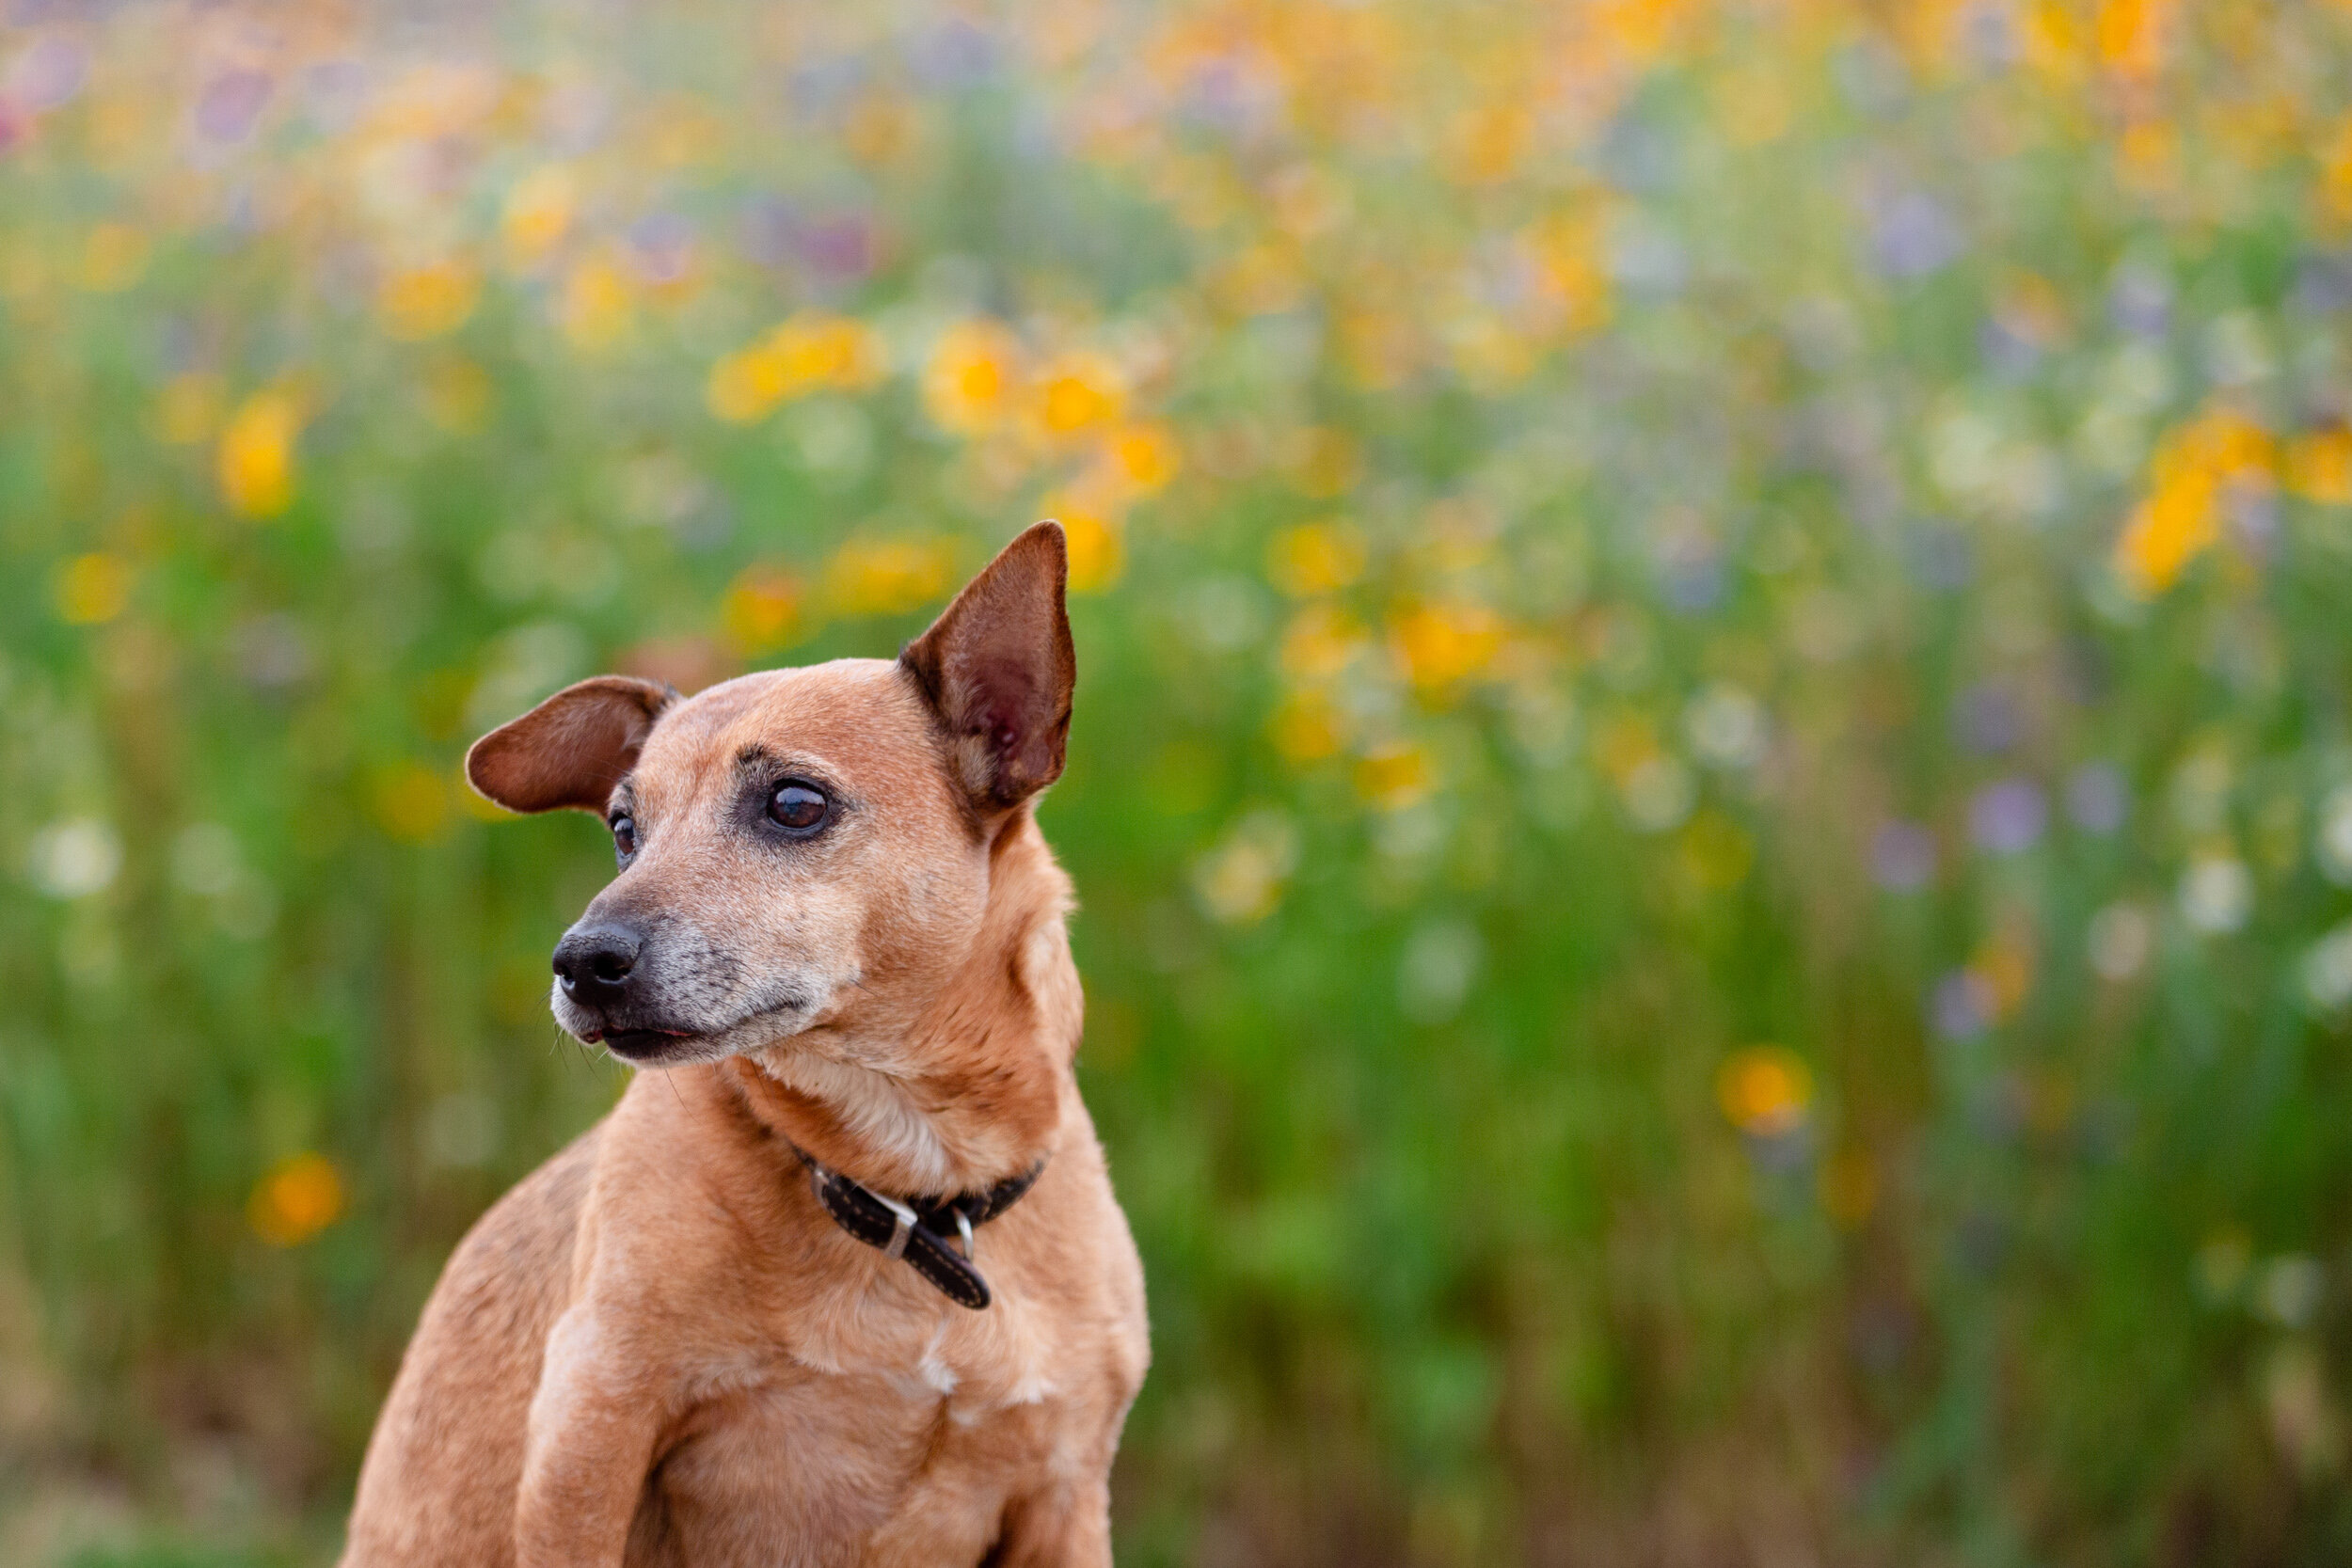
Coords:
570,750
998,668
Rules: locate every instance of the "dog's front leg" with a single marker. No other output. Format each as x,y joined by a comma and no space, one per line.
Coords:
594,1422
1065,1526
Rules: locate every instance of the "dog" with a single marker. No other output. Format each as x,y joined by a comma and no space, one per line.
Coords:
840,1280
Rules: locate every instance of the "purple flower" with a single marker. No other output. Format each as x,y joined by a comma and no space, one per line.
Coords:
48,75
2141,302
1961,1006
230,103
955,54
2322,285
2097,797
334,93
1913,236
1988,719
661,248
2008,817
840,249
1942,559
1902,856
2010,355
772,229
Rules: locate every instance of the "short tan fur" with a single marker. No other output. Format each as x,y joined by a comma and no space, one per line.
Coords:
658,1349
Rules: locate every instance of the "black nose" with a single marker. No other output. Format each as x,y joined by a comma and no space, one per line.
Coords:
596,961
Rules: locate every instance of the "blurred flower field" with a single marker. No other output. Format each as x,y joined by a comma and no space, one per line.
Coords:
1711,782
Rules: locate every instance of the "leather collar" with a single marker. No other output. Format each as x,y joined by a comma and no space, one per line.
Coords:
920,1231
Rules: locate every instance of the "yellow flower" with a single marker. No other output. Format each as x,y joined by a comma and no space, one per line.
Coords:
1439,644
1641,29
2053,43
1079,393
974,376
1571,277
1316,557
881,130
1379,348
411,802
595,307
92,588
1097,554
811,352
837,352
1240,881
760,610
2319,466
887,576
1325,462
1765,1090
2004,968
297,1200
1488,142
2335,174
746,384
2147,157
1320,642
113,255
1144,457
2129,36
424,302
1394,776
255,464
2188,480
538,214
1306,728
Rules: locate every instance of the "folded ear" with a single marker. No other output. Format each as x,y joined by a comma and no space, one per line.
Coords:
570,750
998,668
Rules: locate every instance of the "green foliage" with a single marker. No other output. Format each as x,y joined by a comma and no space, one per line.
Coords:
1710,781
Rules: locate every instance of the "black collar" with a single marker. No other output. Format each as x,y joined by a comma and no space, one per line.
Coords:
920,1230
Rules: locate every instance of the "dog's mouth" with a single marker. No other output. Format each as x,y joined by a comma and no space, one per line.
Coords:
638,1045
644,1036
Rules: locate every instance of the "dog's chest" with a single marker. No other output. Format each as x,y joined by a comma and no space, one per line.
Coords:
809,1456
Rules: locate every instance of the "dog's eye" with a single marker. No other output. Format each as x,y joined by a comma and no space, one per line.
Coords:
625,836
798,806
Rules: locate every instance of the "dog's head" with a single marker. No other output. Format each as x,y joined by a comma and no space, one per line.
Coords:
798,848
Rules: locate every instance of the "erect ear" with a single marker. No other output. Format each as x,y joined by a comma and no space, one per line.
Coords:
570,750
998,668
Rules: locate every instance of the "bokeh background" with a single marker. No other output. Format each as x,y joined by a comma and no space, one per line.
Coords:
1712,784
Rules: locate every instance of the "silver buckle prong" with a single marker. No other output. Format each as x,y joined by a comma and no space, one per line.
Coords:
964,1224
905,1226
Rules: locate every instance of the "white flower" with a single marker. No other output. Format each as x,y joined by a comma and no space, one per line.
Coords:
2328,970
1726,726
2121,936
2216,894
72,860
2334,849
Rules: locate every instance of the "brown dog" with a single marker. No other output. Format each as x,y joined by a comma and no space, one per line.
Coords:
722,1327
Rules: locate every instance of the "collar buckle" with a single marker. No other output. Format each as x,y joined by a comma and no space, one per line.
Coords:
918,1234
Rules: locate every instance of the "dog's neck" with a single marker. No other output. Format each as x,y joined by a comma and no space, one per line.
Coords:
972,1090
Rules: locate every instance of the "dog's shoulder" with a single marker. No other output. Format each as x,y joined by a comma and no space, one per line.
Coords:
527,1235
448,1426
